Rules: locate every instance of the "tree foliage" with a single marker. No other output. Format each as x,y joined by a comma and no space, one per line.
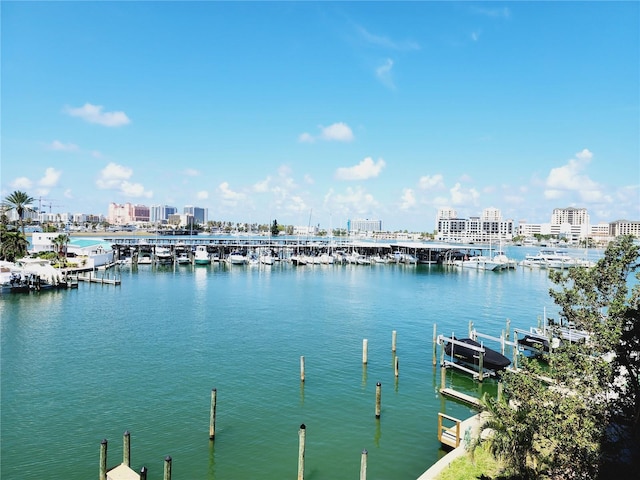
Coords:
13,245
578,418
20,202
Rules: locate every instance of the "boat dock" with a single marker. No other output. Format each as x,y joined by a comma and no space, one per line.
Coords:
463,397
93,278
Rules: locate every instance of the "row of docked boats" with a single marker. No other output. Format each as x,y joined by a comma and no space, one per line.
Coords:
554,259
499,261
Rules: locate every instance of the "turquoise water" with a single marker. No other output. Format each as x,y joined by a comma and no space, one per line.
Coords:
82,365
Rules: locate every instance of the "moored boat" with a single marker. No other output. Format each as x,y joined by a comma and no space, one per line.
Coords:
201,256
492,360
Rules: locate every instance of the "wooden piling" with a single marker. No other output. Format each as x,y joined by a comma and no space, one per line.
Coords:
480,365
302,368
103,460
365,344
500,390
167,468
394,336
212,416
515,351
435,345
126,449
470,329
301,436
396,367
143,473
363,465
378,398
508,328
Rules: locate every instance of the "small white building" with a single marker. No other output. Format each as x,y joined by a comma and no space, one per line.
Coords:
91,252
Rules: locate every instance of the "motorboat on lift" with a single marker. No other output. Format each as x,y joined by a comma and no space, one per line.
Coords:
492,360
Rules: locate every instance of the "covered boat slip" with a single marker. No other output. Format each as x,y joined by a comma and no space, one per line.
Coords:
283,247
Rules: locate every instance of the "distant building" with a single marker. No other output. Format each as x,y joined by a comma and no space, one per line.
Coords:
160,213
624,227
200,215
124,214
364,225
570,215
488,228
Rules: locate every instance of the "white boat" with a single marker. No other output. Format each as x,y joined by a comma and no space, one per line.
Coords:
237,258
183,258
479,262
553,259
29,274
164,255
266,258
201,256
505,262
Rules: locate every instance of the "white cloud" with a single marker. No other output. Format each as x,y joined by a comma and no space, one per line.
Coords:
428,182
202,195
354,201
339,132
408,199
112,176
58,146
134,190
22,183
336,132
228,196
475,36
262,186
308,179
570,179
67,193
94,114
383,72
492,12
191,172
364,170
306,138
466,197
51,177
386,42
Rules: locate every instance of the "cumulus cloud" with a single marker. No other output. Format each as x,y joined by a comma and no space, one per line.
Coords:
116,177
461,196
362,171
22,183
136,190
354,201
428,182
384,74
228,196
51,177
94,114
570,179
58,146
408,199
112,176
336,132
262,186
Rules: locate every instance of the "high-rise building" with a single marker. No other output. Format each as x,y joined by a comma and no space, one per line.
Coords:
200,215
570,215
160,213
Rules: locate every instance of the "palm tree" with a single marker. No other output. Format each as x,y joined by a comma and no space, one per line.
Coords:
61,242
20,202
13,245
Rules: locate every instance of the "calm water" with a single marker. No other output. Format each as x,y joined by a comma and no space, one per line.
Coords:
82,365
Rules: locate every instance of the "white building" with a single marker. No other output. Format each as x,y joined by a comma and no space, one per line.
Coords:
89,253
488,228
160,213
364,225
570,215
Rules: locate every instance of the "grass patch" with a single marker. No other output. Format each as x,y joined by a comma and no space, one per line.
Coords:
482,465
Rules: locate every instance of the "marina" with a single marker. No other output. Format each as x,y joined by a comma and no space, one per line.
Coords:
86,364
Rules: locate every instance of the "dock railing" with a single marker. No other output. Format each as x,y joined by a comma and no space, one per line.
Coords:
448,435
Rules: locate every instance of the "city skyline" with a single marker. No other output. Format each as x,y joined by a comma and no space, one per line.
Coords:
328,111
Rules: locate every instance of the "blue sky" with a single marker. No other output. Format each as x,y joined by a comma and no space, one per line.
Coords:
324,111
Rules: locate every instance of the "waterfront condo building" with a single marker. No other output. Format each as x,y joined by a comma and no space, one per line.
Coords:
124,214
364,225
490,227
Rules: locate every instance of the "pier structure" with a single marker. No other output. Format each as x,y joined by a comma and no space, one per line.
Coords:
158,249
